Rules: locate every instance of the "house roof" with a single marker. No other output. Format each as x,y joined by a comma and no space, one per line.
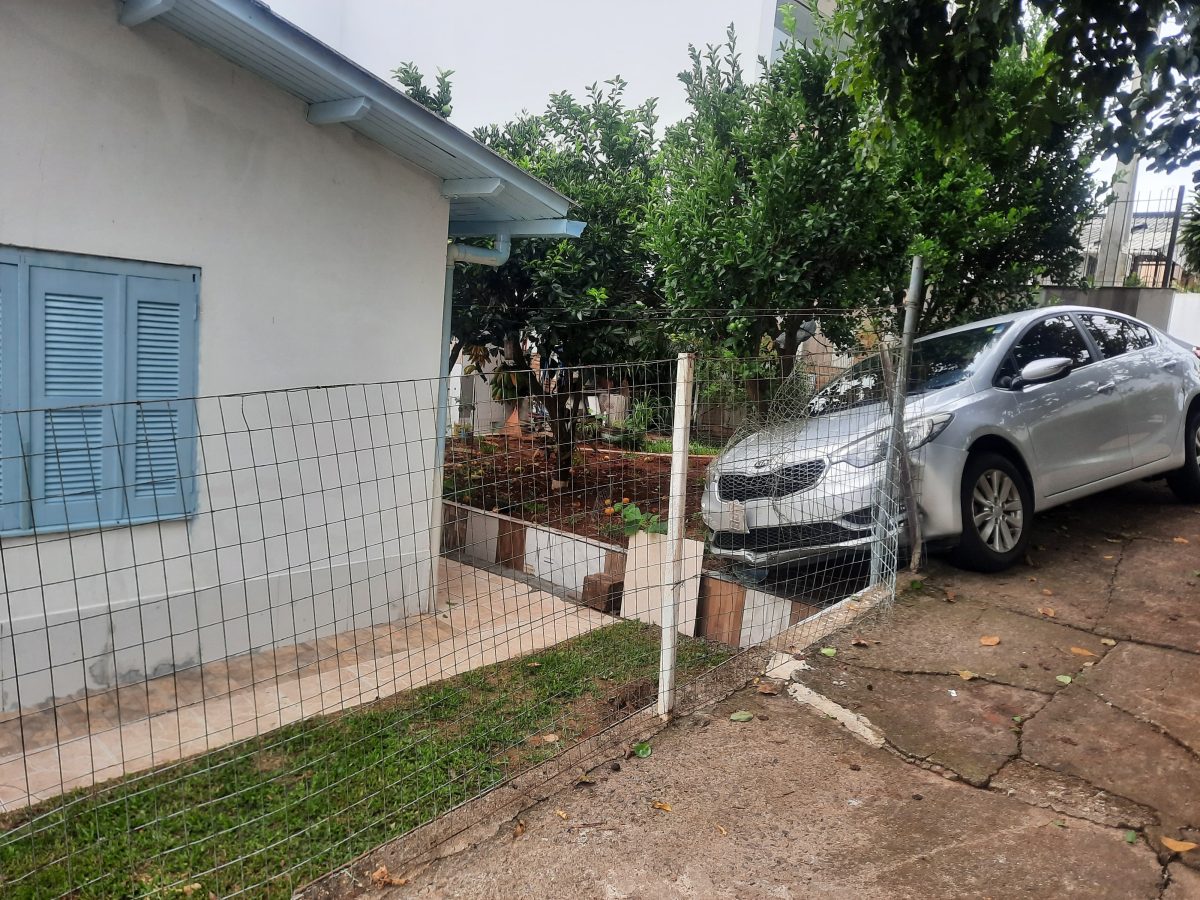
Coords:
481,186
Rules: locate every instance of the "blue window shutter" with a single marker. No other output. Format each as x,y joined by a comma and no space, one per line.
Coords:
76,321
160,437
11,478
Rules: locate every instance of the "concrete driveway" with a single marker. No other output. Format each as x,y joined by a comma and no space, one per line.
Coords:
1050,763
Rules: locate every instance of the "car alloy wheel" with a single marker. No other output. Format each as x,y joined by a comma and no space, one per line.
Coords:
997,511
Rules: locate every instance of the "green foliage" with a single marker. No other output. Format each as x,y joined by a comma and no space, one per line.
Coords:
583,301
413,82
510,383
635,520
1133,69
1189,237
768,206
764,206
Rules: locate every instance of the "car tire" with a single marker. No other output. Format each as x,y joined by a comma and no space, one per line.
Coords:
1185,482
997,513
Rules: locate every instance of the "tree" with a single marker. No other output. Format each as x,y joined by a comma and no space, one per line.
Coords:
765,214
995,224
439,101
769,213
580,302
1133,67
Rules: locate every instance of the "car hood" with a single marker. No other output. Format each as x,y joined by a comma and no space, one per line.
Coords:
814,437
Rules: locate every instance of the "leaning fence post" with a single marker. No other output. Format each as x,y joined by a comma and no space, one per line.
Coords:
896,449
672,570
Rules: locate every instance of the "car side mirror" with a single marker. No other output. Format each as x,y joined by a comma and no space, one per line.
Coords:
1041,371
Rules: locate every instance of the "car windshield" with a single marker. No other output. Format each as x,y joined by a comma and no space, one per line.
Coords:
938,362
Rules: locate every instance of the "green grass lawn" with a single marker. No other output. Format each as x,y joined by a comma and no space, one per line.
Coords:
268,814
695,448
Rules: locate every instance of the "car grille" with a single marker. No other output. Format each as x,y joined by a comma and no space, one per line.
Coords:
780,483
785,537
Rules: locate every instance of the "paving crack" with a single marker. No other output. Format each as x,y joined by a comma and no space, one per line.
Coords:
1161,729
978,676
1112,581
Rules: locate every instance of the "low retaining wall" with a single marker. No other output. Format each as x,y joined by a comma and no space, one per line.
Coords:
713,606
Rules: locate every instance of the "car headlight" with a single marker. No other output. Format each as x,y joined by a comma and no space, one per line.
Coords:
873,448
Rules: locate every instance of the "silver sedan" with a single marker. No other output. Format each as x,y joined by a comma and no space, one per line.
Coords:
1003,418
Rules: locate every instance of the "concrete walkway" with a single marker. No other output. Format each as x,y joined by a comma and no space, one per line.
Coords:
486,618
1049,764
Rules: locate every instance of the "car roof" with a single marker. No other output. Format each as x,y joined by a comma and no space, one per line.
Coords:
1024,315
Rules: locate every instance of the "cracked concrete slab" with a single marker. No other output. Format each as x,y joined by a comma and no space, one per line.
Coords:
1183,883
1066,794
927,635
788,806
1156,596
1079,734
1160,686
965,726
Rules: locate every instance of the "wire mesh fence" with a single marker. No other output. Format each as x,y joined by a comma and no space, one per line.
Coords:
245,638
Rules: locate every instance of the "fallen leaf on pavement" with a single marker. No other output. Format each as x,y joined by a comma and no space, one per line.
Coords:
1180,540
658,804
1108,642
768,687
1131,837
1063,679
1047,611
966,674
584,781
642,750
829,651
1046,592
742,715
562,815
1178,846
381,876
1082,651
989,640
720,829
519,828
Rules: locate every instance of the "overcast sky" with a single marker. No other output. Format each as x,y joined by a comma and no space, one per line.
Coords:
510,55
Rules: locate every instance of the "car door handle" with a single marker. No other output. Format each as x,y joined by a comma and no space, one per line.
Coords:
1107,388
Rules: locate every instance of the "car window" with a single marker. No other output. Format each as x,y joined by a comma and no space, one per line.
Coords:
1139,336
937,362
1053,337
1115,336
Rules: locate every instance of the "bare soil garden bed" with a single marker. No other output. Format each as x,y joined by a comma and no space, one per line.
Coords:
511,475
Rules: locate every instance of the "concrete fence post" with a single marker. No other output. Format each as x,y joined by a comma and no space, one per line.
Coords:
672,574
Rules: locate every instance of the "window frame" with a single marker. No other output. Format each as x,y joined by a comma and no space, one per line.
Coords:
18,332
1009,357
1124,320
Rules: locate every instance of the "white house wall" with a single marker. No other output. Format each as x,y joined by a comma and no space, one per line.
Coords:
322,261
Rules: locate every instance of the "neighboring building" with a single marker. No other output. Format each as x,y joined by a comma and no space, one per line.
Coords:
201,200
1150,255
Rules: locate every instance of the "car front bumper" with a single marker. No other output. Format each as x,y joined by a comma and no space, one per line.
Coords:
834,516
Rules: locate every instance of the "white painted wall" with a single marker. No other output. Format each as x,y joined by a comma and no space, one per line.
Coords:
322,263
1185,317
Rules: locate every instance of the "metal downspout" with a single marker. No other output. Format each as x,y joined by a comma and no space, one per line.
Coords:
455,253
